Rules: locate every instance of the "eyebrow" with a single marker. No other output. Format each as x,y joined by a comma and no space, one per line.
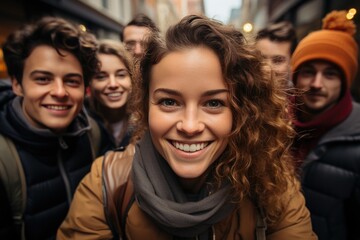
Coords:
40,72
51,74
122,70
177,93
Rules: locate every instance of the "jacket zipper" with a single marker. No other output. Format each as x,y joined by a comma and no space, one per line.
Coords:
63,145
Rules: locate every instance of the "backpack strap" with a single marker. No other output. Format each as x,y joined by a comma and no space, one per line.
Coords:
117,187
13,178
95,137
261,225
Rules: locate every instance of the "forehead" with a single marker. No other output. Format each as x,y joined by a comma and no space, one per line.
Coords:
135,32
109,59
319,63
194,68
271,48
44,57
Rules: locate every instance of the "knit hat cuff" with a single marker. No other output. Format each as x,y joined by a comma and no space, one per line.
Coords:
328,52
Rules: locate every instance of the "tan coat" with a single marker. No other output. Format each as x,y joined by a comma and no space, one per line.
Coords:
86,218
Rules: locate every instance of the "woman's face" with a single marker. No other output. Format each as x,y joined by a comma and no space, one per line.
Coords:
189,112
112,85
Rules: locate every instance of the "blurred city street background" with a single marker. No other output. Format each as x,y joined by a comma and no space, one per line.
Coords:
106,18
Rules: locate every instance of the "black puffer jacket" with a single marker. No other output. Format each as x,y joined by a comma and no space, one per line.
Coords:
53,167
107,139
331,181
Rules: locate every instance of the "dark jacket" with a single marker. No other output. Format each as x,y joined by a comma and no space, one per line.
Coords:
6,92
53,166
331,181
107,139
6,227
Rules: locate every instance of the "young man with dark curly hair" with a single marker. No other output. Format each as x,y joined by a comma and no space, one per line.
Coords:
50,63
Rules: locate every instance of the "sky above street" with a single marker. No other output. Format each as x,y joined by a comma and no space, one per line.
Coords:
220,9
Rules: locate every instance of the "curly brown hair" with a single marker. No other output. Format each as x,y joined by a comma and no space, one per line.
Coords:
257,160
57,33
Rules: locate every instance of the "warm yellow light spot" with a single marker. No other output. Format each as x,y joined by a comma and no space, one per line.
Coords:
349,16
82,27
2,63
248,27
352,11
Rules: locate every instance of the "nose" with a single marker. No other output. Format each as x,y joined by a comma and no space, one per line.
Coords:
138,49
190,123
58,89
317,82
268,61
113,83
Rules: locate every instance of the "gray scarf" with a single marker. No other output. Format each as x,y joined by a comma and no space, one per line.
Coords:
159,194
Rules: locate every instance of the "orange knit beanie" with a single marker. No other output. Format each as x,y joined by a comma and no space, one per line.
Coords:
334,43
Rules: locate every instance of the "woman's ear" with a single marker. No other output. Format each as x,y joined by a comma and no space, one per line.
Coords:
16,87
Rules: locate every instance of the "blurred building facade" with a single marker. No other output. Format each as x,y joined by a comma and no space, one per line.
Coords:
306,16
104,18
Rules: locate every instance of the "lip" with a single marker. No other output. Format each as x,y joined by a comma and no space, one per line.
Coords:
114,96
58,109
315,95
190,147
186,156
185,149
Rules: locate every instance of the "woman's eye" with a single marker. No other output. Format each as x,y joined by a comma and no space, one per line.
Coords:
122,74
214,103
167,102
100,77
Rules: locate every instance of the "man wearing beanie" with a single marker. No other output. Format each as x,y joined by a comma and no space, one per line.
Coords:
327,147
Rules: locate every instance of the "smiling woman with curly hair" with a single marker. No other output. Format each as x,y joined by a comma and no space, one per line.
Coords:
211,156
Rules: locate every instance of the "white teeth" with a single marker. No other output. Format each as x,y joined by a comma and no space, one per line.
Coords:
54,107
190,147
117,94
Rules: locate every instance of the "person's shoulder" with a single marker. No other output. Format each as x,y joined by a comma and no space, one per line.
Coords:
119,155
356,107
352,123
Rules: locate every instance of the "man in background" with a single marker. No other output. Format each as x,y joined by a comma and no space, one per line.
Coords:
327,121
134,34
276,42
